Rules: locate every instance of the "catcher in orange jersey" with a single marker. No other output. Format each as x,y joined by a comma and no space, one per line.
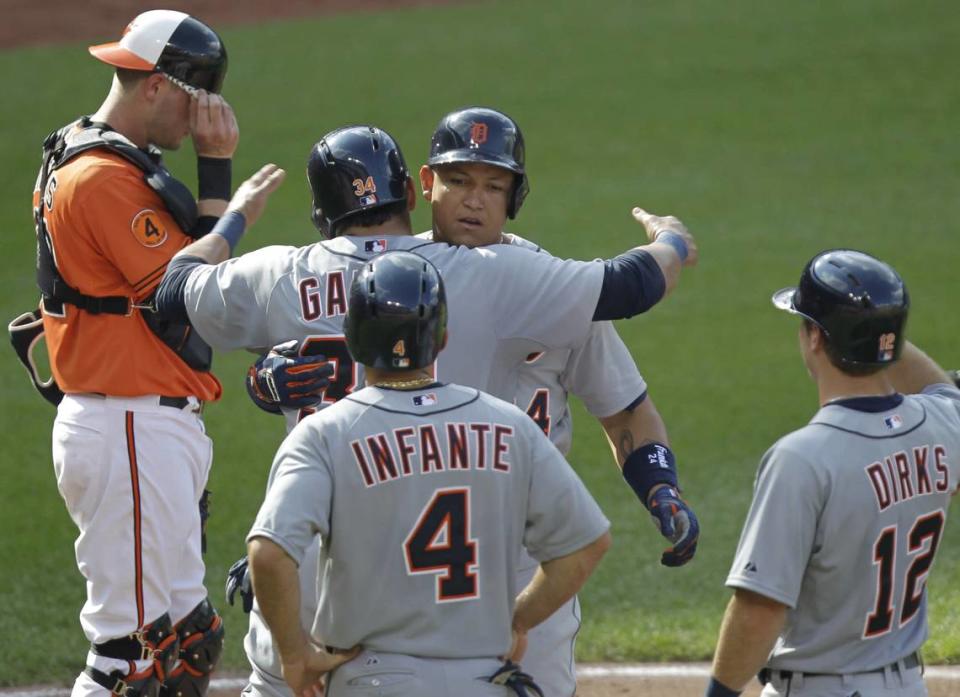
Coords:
129,448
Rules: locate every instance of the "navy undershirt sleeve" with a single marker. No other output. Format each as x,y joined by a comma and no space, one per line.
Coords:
170,302
632,283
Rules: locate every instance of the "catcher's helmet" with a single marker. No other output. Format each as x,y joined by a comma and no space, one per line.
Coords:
172,43
478,134
858,301
397,313
352,170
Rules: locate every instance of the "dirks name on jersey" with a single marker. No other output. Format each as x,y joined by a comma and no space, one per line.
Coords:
902,476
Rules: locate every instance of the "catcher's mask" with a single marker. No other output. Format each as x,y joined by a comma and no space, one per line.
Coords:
397,313
487,136
172,43
858,301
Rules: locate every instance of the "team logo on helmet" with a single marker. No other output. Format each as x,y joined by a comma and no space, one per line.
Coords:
479,133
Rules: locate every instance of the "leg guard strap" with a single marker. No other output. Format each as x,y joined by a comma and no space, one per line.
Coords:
130,684
201,644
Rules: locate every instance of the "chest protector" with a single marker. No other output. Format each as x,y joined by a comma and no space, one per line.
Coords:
60,147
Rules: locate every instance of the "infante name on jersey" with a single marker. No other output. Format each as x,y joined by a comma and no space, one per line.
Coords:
903,475
406,451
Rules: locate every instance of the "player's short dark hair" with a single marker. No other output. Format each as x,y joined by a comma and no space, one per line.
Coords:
128,78
370,218
856,371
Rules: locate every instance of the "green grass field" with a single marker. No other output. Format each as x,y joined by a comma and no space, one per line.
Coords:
774,129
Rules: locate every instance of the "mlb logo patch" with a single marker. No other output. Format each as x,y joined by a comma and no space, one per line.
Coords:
375,246
370,200
893,422
425,400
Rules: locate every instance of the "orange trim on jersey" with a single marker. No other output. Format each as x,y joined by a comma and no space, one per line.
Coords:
154,275
137,542
114,54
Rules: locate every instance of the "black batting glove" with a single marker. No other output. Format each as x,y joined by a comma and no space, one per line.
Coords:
677,522
238,579
282,378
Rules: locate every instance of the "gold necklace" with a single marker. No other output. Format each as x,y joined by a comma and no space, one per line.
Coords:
406,384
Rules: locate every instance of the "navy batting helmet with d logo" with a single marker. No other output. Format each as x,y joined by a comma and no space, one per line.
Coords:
397,313
859,302
487,136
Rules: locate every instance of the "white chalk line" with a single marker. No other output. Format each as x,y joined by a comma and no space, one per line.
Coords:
584,670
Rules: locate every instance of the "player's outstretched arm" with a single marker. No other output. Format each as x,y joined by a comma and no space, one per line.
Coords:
916,370
555,582
217,246
244,210
750,627
638,279
671,244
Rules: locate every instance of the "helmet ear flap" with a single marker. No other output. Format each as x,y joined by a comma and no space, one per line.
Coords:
520,190
316,216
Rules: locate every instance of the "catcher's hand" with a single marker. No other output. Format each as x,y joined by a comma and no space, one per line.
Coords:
238,579
283,378
677,522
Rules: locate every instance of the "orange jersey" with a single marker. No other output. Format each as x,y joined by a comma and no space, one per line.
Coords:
112,235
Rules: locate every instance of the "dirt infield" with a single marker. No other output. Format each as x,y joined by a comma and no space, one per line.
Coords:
37,22
596,680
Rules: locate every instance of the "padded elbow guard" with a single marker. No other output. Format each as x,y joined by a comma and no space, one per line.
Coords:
201,644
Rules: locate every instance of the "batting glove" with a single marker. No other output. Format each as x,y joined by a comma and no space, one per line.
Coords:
283,378
522,684
238,579
677,522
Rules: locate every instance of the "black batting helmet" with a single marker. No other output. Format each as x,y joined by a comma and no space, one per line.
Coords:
397,313
352,170
858,301
172,43
488,136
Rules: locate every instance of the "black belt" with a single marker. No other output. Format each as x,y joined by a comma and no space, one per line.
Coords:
911,661
175,402
181,403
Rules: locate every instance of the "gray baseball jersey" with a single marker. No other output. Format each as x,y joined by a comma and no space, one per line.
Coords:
844,526
278,293
600,371
422,499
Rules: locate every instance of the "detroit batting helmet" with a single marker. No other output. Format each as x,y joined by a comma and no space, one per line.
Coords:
488,136
172,43
352,170
858,301
397,313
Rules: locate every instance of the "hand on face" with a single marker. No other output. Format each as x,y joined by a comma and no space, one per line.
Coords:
213,125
